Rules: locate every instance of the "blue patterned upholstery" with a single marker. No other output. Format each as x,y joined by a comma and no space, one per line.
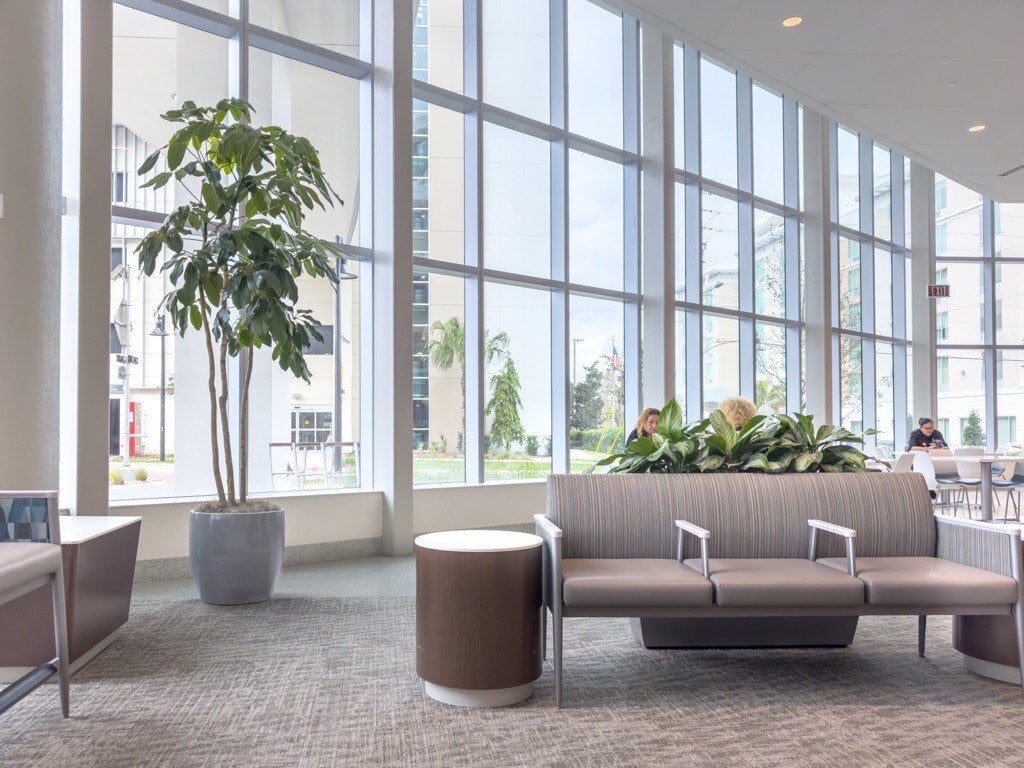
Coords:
24,518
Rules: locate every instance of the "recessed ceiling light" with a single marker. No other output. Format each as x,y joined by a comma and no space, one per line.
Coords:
792,21
951,83
976,128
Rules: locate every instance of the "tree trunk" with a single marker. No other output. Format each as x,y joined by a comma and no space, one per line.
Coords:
243,437
212,386
229,464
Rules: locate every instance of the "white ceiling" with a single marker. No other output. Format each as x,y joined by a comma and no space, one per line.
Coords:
886,68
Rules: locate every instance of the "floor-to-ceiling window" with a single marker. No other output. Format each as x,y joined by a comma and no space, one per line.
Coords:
979,328
303,70
525,230
737,232
870,280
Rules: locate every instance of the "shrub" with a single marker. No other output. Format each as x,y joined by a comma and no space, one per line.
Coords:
115,477
532,445
141,475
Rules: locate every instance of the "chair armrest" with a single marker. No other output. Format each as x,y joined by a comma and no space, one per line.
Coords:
992,547
839,530
551,571
703,534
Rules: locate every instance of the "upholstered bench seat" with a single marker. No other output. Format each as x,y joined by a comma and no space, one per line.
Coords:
21,562
777,582
647,582
928,581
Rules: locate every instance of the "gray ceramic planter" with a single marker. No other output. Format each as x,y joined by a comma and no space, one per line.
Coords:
236,556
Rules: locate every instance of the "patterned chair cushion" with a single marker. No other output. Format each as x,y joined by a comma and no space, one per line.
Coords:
24,519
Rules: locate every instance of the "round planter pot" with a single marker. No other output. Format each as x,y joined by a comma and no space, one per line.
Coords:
236,556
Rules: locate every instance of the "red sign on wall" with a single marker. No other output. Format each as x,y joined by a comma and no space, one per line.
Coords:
938,291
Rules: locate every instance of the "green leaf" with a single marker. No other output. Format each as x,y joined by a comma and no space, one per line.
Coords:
196,317
149,163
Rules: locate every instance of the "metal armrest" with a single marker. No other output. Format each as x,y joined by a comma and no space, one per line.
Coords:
701,533
839,530
551,535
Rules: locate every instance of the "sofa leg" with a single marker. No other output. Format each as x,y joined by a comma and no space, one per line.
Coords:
60,631
922,625
556,639
544,632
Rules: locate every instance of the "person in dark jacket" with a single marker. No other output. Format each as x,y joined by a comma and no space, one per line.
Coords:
646,425
925,437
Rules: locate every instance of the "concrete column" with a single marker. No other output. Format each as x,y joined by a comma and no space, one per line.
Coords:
924,396
85,254
818,268
392,278
30,235
658,199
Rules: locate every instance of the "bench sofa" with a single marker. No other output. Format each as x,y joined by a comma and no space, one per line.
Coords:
749,545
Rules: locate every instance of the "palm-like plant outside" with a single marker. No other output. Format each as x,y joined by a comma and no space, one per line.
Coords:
447,349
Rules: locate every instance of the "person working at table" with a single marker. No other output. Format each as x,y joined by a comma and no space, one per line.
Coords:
926,437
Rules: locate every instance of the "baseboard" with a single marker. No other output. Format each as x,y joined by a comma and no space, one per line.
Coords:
9,675
169,568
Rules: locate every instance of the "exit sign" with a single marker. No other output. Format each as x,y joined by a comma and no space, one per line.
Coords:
938,291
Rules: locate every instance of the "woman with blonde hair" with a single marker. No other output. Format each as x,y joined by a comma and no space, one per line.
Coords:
646,425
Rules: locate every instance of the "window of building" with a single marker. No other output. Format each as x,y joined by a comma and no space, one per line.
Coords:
302,435
872,287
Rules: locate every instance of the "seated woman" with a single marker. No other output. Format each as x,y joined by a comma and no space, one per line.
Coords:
926,438
646,425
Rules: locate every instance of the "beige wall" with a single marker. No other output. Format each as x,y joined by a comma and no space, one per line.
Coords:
30,231
339,516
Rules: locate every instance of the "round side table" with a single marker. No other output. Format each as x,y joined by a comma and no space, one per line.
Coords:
478,603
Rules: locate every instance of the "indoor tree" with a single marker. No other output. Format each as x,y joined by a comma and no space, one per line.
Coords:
235,251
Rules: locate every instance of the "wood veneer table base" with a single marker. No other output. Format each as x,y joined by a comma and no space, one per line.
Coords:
478,616
99,566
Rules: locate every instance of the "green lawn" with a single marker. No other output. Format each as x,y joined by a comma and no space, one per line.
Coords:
433,470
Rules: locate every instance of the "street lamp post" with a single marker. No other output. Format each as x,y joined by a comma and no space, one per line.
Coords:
161,331
574,342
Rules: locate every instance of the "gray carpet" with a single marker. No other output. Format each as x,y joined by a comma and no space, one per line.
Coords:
315,680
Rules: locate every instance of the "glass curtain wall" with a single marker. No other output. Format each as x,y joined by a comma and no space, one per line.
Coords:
525,227
306,70
737,229
870,280
979,328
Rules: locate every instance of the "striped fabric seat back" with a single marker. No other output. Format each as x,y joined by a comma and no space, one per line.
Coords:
24,518
748,514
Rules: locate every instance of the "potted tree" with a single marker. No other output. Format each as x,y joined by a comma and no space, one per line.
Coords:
233,255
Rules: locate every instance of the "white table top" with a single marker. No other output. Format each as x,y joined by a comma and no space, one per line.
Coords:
478,541
74,529
991,458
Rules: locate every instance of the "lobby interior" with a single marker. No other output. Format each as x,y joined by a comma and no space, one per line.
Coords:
548,216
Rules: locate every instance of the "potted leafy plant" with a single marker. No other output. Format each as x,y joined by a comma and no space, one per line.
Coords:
740,441
234,253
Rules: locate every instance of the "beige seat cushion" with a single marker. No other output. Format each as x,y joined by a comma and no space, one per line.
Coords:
780,582
21,562
928,581
648,583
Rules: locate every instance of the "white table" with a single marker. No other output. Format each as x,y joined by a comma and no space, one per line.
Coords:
986,462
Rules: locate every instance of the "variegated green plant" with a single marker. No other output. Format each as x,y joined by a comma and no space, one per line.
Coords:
773,445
